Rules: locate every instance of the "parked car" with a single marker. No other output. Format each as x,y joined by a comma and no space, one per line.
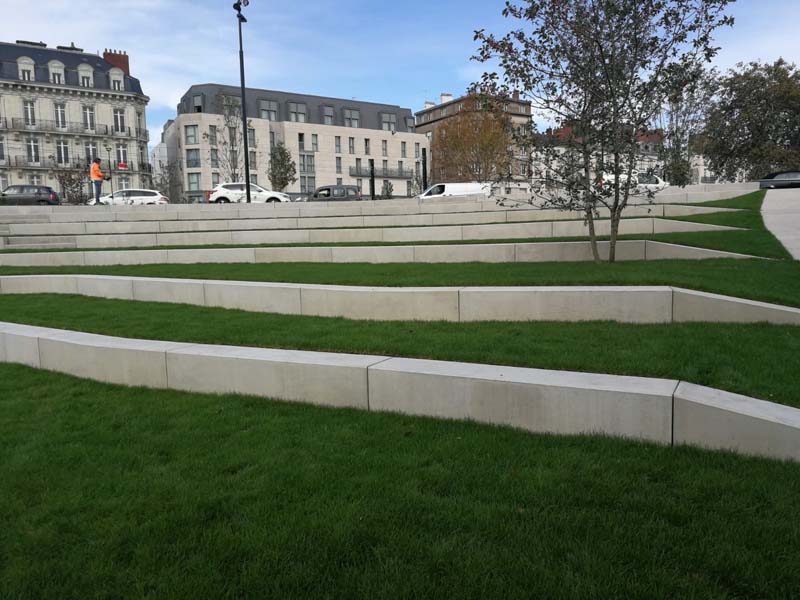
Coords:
643,182
131,198
455,190
226,193
347,193
15,195
784,179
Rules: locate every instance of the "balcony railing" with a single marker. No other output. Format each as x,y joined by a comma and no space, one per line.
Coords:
388,173
77,163
60,127
143,134
30,163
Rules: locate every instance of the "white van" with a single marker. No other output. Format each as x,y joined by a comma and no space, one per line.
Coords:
456,190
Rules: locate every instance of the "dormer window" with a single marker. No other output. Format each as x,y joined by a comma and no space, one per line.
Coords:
86,76
26,68
116,76
56,70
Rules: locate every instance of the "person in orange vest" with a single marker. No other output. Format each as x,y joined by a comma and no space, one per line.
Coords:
97,177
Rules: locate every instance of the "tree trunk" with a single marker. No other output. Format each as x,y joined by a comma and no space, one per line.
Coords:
592,235
612,240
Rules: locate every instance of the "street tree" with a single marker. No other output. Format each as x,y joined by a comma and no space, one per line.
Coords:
72,180
753,127
601,71
473,145
227,143
282,171
167,180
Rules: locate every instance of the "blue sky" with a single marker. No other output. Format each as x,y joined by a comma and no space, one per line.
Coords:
394,52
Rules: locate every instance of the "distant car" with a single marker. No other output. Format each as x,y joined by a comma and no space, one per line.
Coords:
784,179
16,195
132,197
335,192
448,190
643,182
226,193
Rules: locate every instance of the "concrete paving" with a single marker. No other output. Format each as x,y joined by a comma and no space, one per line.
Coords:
781,211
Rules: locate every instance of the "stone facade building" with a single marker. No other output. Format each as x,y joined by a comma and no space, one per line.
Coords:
331,140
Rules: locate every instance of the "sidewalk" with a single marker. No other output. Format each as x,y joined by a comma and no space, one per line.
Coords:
781,212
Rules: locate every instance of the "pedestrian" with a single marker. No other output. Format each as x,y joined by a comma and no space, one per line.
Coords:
97,177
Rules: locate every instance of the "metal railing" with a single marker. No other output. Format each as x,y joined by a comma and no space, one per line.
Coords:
79,163
388,172
39,125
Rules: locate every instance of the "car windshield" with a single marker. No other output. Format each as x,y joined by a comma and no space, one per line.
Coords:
791,175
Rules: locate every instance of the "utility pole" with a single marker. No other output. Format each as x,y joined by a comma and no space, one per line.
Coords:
240,17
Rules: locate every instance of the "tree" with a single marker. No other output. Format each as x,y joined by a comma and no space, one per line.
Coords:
474,145
387,191
168,180
229,140
601,70
282,170
753,127
73,183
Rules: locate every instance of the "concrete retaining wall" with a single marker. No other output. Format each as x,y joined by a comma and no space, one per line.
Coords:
450,253
629,304
658,410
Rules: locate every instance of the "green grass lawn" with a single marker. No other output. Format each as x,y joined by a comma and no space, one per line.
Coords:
770,281
113,492
756,360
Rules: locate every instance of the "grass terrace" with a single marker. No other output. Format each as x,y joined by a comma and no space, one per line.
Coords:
112,492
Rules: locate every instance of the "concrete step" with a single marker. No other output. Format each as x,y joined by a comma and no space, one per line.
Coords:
45,246
36,241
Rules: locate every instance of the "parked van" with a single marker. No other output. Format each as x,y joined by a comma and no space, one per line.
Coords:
456,190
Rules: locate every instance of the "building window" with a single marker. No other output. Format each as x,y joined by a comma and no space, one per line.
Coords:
88,118
56,78
297,112
307,184
193,181
62,152
416,150
32,148
268,110
116,85
403,146
124,182
351,117
338,181
271,139
338,164
351,144
417,170
214,179
61,115
388,122
119,120
86,81
338,144
90,149
360,184
197,103
25,74
327,115
358,165
191,134
410,123
30,112
2,155
214,158
122,154
301,141
400,167
314,142
384,148
35,179
253,164
254,179
251,137
307,163
366,146
3,181
212,135
193,159
409,191
385,167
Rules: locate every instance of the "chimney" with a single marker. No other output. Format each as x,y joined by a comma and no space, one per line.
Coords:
516,95
429,104
118,59
71,48
445,98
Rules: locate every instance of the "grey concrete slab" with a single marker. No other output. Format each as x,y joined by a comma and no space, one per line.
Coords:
101,286
691,305
210,255
531,399
374,303
461,253
781,212
283,255
281,298
173,291
372,254
42,284
124,257
725,421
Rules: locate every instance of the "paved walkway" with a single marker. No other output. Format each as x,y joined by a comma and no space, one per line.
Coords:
781,211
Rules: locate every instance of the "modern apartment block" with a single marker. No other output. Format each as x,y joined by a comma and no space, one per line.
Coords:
433,116
61,107
331,140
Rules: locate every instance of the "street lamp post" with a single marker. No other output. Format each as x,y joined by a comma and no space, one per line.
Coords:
110,172
240,17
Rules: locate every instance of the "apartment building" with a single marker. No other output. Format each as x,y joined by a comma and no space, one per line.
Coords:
61,107
433,116
331,140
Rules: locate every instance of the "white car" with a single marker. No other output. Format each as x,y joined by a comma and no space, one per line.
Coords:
131,198
226,193
643,182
